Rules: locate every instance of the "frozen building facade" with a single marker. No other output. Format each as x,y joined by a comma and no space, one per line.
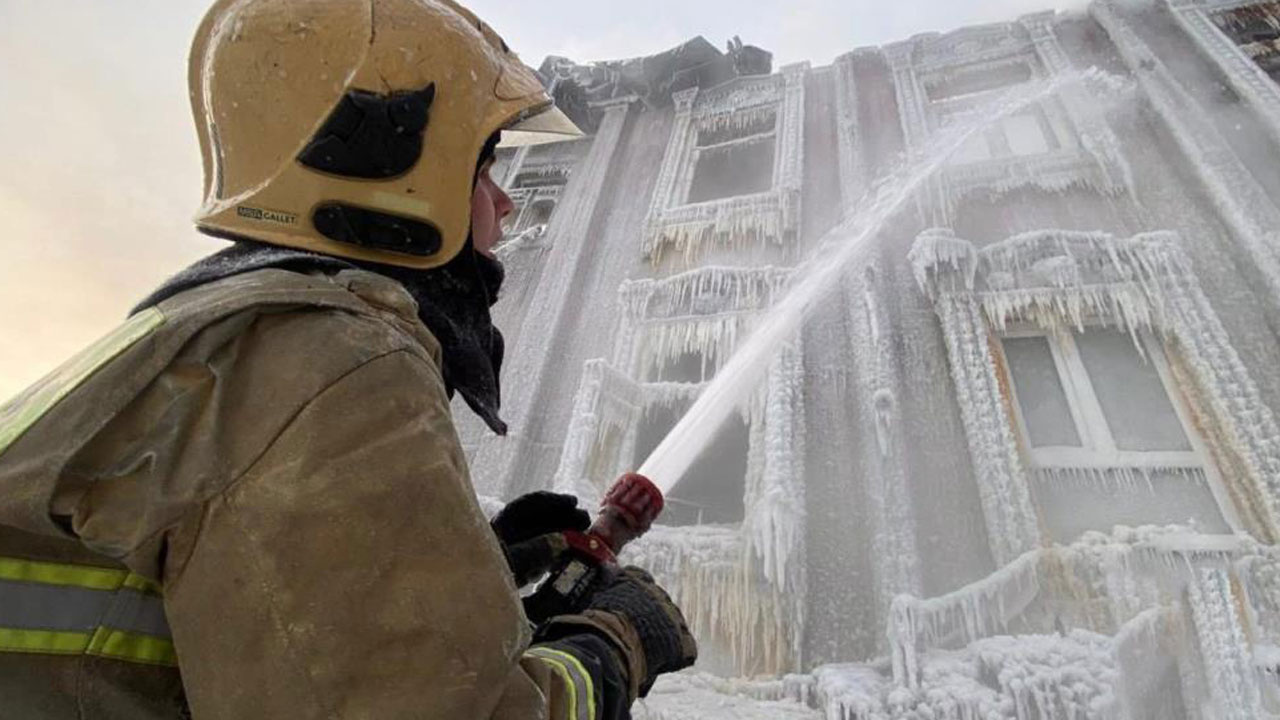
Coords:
1025,461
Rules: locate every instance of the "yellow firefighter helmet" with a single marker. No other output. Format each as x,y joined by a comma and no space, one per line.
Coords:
352,127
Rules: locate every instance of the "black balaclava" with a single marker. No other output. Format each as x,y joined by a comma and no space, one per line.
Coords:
454,302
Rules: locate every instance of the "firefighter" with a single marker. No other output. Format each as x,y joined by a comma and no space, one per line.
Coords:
249,500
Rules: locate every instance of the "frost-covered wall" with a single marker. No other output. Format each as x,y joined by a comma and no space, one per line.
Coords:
1024,461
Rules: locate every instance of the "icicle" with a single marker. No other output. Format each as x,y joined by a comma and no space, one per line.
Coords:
939,247
702,312
1057,279
737,223
1068,672
727,603
734,123
774,521
1129,480
705,290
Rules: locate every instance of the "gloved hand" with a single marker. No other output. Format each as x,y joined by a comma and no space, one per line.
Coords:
639,619
530,528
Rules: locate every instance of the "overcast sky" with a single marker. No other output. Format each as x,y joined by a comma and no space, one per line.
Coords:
99,169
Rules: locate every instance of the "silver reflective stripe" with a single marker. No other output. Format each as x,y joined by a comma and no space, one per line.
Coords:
32,606
137,612
67,608
51,607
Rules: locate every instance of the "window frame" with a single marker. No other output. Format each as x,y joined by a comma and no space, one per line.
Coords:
1057,137
696,151
1098,449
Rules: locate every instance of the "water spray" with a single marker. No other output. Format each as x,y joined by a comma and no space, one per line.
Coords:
634,502
742,373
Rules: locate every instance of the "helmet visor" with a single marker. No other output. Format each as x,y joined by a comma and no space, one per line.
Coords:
549,126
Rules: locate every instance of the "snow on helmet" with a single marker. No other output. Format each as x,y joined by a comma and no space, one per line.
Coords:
352,127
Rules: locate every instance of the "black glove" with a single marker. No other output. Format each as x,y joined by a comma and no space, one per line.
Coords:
639,618
530,528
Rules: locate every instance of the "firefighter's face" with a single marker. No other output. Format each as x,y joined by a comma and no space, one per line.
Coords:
489,205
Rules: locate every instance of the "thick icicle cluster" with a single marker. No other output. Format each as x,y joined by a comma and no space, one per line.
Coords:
1053,278
937,256
711,337
775,497
1075,632
1126,479
707,289
744,95
731,608
727,125
1059,277
737,223
702,312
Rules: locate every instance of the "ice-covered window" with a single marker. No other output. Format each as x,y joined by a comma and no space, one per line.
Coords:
732,169
1095,397
1107,440
535,178
737,126
1137,408
734,154
1021,135
1256,29
688,367
713,489
970,81
1041,397
1028,134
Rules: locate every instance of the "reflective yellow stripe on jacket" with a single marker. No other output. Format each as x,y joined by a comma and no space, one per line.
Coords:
61,609
20,413
582,696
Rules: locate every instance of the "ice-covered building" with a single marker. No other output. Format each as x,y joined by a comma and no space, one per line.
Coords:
1025,461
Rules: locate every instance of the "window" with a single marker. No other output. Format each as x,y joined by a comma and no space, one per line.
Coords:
1021,135
1108,443
689,367
713,489
732,169
1256,29
535,179
1029,134
1045,410
734,154
970,81
760,121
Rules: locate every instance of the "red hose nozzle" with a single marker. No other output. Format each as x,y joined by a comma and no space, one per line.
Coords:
627,511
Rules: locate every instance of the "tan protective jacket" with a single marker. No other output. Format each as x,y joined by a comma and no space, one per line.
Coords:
271,458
